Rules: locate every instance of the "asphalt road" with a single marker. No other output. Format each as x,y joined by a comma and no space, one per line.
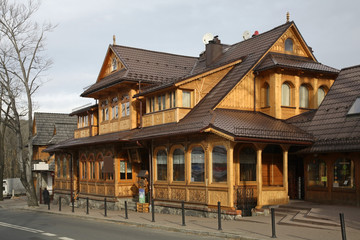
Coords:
21,225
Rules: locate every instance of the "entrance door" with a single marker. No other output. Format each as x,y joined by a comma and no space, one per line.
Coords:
296,177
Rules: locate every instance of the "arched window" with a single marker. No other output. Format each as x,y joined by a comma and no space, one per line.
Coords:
58,169
83,169
289,46
247,164
64,167
344,173
320,96
285,95
161,164
101,166
219,163
304,97
317,174
178,165
197,164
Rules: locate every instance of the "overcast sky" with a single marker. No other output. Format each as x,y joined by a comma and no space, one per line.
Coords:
86,27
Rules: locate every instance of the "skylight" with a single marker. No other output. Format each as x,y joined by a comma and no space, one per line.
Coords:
355,108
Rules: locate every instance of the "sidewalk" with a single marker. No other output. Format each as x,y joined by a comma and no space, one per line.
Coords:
258,227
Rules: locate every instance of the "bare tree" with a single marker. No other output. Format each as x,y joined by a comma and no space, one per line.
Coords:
22,63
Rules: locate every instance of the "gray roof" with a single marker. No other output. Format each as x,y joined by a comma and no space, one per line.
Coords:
332,127
46,123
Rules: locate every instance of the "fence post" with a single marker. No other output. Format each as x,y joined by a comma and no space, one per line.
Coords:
105,207
72,203
153,210
183,213
48,204
342,222
126,210
59,204
273,223
87,205
219,216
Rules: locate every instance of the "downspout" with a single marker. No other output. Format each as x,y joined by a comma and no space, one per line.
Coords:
140,106
71,178
150,172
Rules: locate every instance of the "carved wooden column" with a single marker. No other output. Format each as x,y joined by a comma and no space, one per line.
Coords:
259,180
285,149
230,174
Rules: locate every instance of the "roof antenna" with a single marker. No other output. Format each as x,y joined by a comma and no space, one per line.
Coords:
114,40
287,17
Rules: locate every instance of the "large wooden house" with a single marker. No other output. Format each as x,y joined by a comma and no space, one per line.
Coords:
207,129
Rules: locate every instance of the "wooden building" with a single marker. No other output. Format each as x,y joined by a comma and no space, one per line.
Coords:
207,129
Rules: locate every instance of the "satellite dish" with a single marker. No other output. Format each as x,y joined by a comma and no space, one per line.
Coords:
207,38
246,35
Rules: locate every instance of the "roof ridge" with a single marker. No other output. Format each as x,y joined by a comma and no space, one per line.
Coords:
153,51
351,67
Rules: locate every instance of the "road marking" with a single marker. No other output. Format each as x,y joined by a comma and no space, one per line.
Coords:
20,227
65,238
49,234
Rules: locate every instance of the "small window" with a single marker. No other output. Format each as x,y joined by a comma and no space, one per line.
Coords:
115,112
125,170
58,167
304,97
285,95
86,121
64,168
289,45
320,96
84,170
186,99
101,165
161,164
114,64
197,164
219,162
125,109
178,165
172,98
317,174
355,108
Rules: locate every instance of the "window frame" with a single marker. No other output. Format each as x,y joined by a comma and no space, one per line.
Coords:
288,99
126,168
317,174
287,47
179,168
192,161
336,184
304,93
163,169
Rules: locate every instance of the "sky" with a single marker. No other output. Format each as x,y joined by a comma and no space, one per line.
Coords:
85,28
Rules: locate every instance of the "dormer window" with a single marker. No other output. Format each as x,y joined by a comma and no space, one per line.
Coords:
186,99
289,46
114,64
355,108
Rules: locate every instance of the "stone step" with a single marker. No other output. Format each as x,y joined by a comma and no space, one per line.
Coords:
288,220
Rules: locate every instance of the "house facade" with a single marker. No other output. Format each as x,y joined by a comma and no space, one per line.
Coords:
206,129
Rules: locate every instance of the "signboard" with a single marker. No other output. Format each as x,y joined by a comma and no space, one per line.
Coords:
141,195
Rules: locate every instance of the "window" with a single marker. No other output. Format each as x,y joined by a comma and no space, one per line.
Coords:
219,162
355,108
80,122
248,164
101,165
86,121
178,165
84,170
58,167
161,164
172,99
92,170
289,46
320,96
152,104
125,170
106,114
304,97
317,174
285,95
344,173
265,95
197,165
161,102
115,112
64,168
186,99
125,109
114,64
92,119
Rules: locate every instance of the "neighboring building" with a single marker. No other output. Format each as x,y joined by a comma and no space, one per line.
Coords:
207,129
332,163
48,129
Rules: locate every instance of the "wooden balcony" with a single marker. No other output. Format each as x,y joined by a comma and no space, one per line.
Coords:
165,116
89,131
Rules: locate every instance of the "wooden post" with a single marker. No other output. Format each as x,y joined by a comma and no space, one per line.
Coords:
259,177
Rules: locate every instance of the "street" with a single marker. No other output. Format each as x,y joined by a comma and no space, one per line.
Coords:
21,224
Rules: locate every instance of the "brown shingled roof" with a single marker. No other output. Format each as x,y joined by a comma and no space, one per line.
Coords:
146,66
332,127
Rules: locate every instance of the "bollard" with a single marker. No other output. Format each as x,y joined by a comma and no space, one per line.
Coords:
87,205
72,205
152,210
59,204
126,212
273,223
219,216
342,223
105,207
48,204
183,213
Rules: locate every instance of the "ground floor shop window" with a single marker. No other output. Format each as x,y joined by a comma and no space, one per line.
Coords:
247,164
317,174
197,164
161,165
178,165
343,173
125,170
219,163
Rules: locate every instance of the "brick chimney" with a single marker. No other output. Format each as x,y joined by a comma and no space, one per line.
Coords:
213,51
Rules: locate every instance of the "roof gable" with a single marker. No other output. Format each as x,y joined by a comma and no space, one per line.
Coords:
108,67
